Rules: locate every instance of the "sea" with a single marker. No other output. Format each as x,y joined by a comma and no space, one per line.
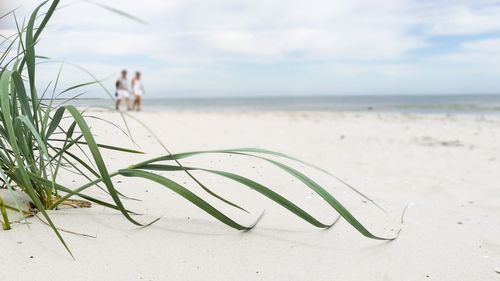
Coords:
423,104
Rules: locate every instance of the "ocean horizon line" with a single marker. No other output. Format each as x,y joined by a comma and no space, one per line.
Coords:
439,104
176,97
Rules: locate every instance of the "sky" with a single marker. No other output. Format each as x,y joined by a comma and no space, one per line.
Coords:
233,48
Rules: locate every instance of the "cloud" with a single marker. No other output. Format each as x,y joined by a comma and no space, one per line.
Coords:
487,46
479,58
466,18
223,30
224,45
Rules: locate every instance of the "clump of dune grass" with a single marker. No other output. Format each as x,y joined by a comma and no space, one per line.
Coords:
31,156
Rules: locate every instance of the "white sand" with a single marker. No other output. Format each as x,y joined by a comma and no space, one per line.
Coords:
446,168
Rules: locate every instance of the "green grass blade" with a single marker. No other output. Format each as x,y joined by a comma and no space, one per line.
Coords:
117,11
78,86
46,18
269,193
22,96
279,154
198,182
30,59
187,194
48,110
8,13
94,150
274,153
105,146
329,199
56,120
334,203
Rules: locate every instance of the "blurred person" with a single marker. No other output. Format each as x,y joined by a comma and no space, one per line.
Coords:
137,90
122,91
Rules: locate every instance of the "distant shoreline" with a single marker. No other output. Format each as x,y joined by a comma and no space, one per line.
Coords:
437,104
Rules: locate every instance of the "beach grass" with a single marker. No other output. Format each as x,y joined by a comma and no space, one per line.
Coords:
37,140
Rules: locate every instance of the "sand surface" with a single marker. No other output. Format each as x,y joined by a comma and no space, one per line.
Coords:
445,169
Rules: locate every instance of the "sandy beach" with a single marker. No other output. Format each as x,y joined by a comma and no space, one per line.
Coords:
445,169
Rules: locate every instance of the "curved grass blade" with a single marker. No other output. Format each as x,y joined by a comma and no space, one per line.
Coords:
54,123
112,124
198,182
94,150
21,94
79,172
8,13
81,162
187,194
78,86
334,203
30,59
117,11
48,108
279,154
328,198
269,193
46,18
105,146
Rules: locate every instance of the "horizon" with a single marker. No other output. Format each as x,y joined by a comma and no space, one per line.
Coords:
227,49
176,97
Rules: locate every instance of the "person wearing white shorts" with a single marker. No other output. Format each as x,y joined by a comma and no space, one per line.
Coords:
122,91
137,91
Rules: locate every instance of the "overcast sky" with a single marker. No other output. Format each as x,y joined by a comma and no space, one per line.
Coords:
279,47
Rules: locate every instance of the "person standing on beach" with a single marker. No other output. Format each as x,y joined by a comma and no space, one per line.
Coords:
122,90
137,90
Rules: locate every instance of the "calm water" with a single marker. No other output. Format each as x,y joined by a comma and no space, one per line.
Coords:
448,104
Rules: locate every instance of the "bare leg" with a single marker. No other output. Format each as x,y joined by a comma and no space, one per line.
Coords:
117,104
127,102
134,105
138,100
